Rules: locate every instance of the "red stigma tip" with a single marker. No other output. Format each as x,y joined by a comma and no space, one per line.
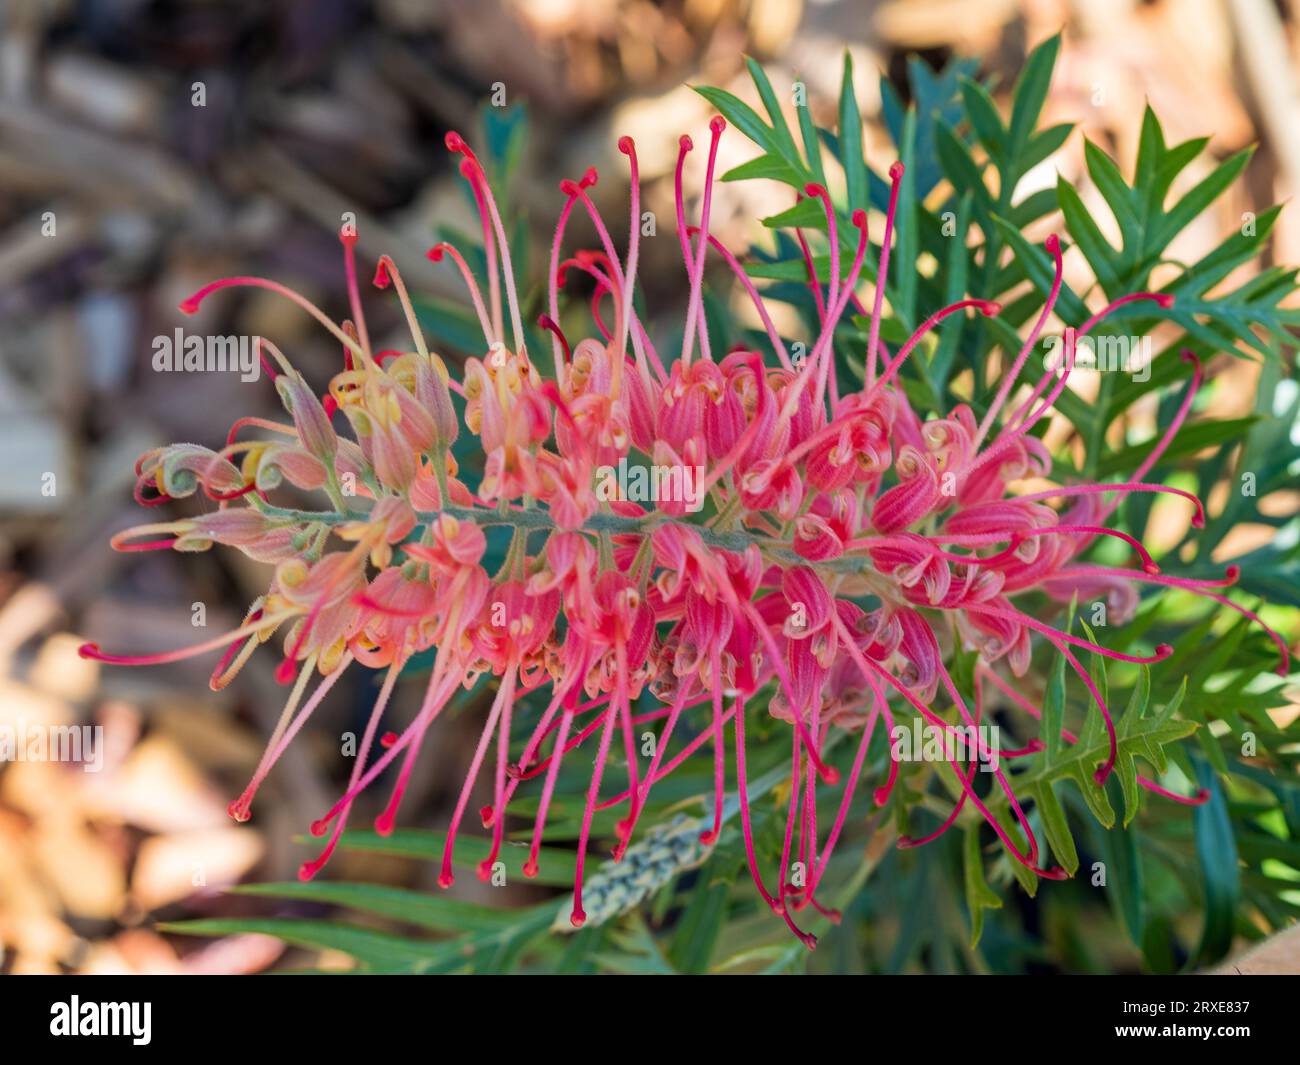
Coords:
813,189
881,796
88,650
307,871
1232,573
589,178
708,838
1164,650
384,823
990,308
859,218
1100,776
896,170
1151,568
435,254
832,775
578,918
717,123
486,815
685,143
569,187
286,671
530,869
454,141
387,739
445,880
238,810
1165,299
625,145
318,828
190,306
381,275
485,870
1053,243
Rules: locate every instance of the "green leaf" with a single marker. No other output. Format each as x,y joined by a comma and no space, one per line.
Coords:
1216,852
1031,92
979,896
436,911
743,117
855,169
375,949
1056,827
985,120
780,130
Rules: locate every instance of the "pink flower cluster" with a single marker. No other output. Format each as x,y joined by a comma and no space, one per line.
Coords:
821,499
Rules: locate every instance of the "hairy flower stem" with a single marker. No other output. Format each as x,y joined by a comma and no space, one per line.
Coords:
606,524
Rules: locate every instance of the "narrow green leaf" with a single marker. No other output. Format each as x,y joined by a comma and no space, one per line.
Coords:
1030,93
436,911
1216,852
850,136
979,896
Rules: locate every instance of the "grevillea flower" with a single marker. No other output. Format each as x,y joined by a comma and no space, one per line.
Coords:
850,546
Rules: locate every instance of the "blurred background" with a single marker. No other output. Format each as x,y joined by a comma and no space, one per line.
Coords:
147,147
